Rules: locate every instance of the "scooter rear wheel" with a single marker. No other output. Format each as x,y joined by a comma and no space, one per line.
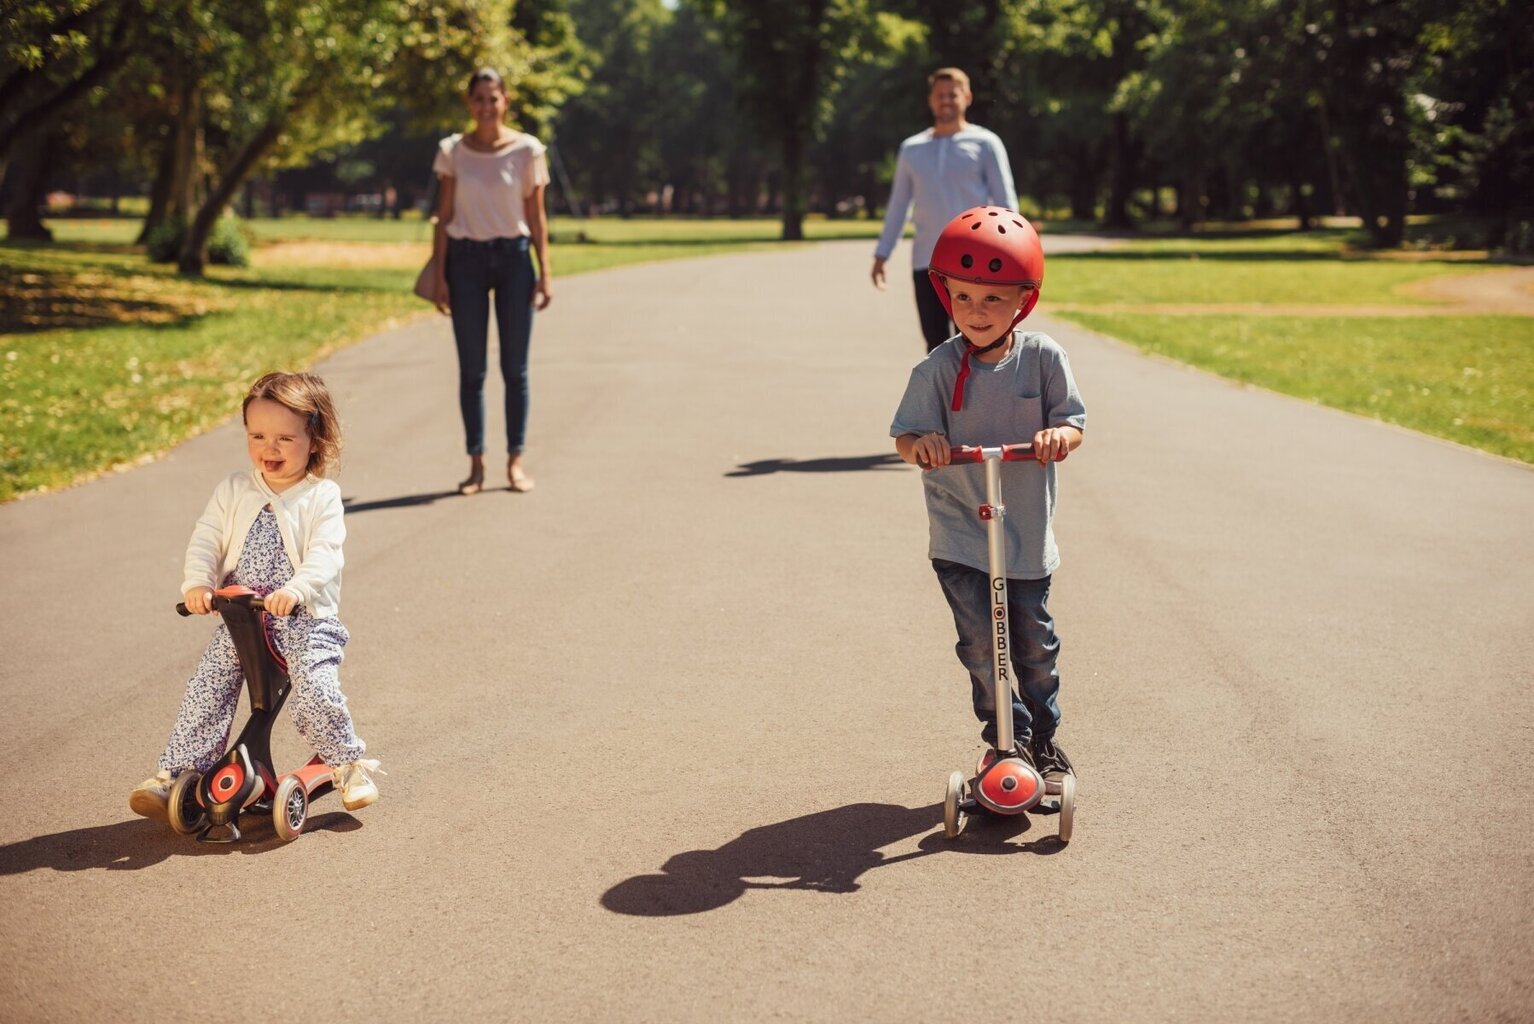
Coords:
183,811
1067,806
290,809
954,817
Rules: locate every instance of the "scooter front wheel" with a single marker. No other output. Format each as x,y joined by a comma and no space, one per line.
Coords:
290,809
1067,806
185,814
954,817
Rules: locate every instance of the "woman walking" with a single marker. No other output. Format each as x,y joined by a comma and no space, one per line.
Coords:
489,214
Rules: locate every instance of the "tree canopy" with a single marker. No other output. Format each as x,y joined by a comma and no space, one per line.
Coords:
1113,110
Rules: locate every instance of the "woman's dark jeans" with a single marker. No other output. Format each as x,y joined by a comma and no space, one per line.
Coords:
474,270
1035,649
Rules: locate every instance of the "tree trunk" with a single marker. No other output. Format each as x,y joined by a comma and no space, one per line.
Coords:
194,247
1333,176
1083,185
1301,202
793,185
183,191
26,182
1122,181
159,192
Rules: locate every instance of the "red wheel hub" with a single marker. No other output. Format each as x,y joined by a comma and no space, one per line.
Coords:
226,783
1009,785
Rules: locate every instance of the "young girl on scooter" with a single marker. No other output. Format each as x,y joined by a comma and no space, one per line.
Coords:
278,530
992,385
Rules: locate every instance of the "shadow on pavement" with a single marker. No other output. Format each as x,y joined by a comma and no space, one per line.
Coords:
404,501
847,464
141,843
822,852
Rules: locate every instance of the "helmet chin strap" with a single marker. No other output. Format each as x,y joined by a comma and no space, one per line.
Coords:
971,350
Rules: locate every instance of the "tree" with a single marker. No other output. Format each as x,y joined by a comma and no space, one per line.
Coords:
51,56
1366,54
790,56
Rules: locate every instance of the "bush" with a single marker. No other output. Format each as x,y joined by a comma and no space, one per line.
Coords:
164,241
227,243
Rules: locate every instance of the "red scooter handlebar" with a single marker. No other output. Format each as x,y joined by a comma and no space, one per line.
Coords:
1021,452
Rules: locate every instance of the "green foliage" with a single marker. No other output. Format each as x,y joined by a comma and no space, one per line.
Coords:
228,244
163,242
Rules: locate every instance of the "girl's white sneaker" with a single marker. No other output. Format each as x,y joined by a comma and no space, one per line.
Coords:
356,785
152,797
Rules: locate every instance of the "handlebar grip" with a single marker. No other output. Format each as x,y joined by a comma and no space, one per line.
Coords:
965,453
255,601
1022,453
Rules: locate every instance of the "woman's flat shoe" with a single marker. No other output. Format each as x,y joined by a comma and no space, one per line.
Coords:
471,486
520,482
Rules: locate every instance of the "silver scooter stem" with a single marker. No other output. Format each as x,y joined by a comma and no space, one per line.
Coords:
1001,635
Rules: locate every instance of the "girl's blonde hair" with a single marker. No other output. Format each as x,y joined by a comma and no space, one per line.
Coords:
305,395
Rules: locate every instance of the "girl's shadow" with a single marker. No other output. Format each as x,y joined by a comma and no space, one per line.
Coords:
822,852
141,843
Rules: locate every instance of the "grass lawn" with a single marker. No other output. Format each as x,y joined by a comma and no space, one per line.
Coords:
106,359
1469,379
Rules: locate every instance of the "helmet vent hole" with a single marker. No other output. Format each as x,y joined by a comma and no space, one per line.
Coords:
975,226
1000,230
995,265
966,261
993,213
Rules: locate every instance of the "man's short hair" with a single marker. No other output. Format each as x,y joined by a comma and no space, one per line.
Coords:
948,74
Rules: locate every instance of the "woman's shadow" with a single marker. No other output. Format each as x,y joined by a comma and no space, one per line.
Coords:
140,843
822,852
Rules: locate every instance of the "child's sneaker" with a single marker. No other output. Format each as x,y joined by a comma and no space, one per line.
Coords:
1022,751
1049,758
356,785
152,797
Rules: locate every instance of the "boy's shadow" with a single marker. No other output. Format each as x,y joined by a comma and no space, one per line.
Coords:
140,843
842,464
822,852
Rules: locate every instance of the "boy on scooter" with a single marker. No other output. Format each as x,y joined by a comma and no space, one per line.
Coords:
992,385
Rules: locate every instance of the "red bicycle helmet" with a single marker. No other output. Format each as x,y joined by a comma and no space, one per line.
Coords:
989,245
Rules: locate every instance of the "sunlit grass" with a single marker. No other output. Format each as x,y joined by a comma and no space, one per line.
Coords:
119,382
1231,273
1468,379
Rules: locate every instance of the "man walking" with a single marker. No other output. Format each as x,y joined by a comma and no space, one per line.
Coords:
945,170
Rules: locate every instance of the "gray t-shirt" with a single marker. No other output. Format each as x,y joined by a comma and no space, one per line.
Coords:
1006,403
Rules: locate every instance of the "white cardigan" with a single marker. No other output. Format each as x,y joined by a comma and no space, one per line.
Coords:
309,517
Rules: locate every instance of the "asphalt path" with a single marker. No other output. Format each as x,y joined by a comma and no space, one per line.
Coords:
667,737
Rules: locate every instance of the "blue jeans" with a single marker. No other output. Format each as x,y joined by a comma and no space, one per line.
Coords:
1035,649
474,270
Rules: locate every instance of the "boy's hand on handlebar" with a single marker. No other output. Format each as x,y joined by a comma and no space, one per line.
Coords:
198,600
281,602
1054,443
931,450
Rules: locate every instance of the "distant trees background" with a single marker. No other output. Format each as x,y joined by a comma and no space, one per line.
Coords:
1113,110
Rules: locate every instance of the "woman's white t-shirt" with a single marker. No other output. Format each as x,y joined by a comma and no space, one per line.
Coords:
489,187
